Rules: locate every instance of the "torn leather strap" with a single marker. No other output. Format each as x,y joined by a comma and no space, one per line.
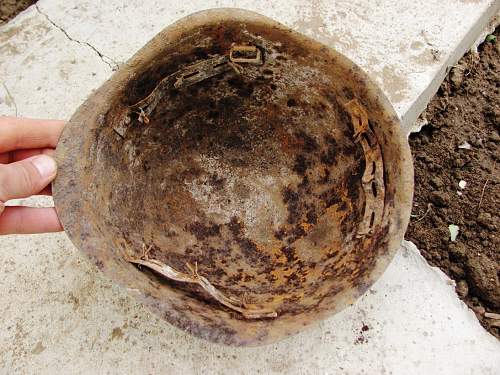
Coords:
373,176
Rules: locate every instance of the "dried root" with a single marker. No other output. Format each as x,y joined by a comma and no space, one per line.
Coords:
482,194
248,311
429,206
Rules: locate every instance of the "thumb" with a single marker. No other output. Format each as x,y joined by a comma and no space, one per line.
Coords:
26,177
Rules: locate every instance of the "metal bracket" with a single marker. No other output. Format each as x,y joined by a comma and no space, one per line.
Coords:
243,51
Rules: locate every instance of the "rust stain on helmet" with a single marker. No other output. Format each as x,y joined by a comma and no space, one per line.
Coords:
264,173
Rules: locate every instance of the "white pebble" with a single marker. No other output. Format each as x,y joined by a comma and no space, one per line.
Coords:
466,145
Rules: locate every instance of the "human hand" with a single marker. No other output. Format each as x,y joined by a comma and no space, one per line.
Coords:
27,168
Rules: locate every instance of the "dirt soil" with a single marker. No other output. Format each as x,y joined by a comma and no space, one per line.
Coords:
465,111
10,8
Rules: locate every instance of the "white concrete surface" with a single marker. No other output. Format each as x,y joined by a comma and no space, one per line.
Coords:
58,313
407,46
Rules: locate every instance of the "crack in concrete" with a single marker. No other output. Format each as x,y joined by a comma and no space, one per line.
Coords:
113,65
10,96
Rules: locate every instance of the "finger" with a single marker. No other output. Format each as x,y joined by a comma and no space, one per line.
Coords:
26,177
47,190
17,155
29,220
20,133
13,156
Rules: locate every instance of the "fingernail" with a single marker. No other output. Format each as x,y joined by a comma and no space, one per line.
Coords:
45,165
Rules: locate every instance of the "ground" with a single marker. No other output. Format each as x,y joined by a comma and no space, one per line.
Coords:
55,305
465,108
465,111
10,8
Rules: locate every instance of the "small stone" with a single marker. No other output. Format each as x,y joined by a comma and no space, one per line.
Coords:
454,229
462,288
468,234
483,278
486,165
457,251
457,75
436,182
491,145
457,271
465,146
476,141
494,137
434,219
486,220
459,162
439,199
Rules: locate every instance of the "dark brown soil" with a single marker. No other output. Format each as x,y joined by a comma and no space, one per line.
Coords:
465,109
10,8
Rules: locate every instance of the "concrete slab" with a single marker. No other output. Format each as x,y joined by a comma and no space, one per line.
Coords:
46,74
58,312
407,46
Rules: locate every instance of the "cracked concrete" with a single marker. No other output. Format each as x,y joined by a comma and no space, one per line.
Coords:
77,321
9,99
389,39
42,68
59,312
107,60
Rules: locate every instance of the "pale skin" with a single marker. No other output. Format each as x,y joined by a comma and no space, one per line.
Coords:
27,168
